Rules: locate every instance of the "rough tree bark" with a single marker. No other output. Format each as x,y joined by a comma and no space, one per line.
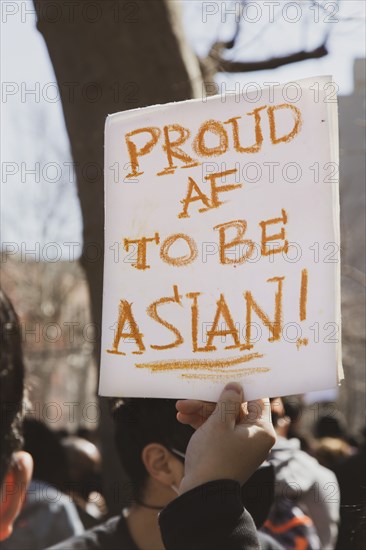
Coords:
111,56
131,56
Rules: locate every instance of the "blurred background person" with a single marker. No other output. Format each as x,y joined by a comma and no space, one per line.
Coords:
84,479
332,452
48,515
305,491
294,408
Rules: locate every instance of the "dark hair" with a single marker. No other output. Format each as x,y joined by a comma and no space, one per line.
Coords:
274,414
330,426
11,384
294,407
143,421
49,457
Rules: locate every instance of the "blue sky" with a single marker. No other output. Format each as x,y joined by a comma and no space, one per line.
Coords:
42,207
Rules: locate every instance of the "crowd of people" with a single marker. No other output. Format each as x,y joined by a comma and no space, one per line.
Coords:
231,475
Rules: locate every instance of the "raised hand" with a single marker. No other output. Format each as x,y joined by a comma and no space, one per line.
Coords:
232,437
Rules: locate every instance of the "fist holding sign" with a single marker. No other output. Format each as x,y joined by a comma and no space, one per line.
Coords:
222,247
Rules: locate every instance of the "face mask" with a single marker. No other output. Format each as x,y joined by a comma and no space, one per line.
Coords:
182,456
178,453
175,489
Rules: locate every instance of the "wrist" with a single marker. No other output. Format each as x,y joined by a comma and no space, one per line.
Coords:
192,481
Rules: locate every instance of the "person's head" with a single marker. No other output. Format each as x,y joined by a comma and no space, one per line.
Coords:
331,452
84,465
281,422
151,444
330,423
294,408
15,465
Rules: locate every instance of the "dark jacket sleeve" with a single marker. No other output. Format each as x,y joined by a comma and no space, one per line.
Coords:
209,517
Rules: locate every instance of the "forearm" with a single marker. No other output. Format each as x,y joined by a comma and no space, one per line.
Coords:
209,517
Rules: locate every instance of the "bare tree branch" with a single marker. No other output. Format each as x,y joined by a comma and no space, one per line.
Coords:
228,66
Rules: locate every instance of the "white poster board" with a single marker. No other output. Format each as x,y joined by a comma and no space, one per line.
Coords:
222,258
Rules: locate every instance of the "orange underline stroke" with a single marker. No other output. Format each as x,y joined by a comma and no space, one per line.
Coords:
197,364
219,375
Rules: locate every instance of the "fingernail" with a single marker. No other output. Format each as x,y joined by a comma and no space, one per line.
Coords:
234,387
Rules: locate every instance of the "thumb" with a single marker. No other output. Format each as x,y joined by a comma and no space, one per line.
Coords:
228,407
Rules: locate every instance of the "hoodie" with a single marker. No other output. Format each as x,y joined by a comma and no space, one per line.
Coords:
313,488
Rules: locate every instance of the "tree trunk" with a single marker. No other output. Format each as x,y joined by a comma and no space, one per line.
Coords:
111,56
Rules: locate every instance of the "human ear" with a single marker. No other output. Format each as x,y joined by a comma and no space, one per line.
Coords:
162,465
13,491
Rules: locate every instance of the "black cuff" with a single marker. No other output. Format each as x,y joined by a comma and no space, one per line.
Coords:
207,517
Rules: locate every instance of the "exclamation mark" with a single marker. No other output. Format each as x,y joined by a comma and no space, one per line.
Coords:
303,304
303,294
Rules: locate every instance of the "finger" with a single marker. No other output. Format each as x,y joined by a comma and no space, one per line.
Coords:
188,405
191,406
191,420
229,405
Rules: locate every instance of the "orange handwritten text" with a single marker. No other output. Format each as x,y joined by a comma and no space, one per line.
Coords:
182,148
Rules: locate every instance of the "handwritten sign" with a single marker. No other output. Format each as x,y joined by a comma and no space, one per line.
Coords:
222,245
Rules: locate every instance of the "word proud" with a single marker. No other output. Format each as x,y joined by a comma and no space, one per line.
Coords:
180,149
